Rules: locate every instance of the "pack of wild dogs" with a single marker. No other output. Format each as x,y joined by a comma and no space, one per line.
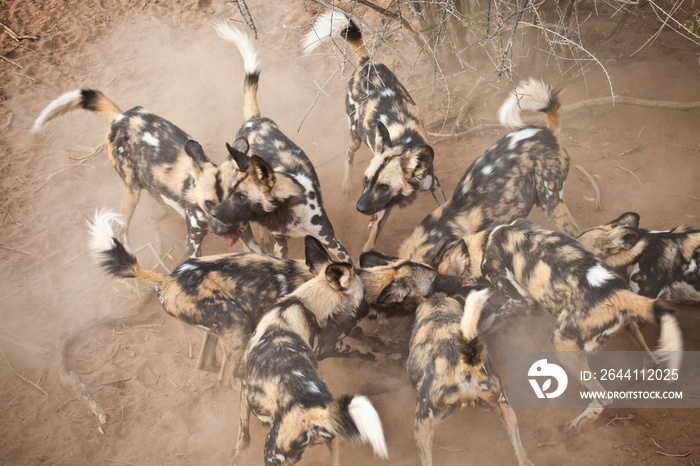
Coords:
276,317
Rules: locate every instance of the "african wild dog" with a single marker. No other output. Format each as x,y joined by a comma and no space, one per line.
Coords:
227,295
449,366
277,186
526,167
658,264
283,387
589,301
151,153
385,117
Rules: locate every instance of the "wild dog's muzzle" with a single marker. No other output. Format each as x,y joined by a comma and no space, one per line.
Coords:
448,284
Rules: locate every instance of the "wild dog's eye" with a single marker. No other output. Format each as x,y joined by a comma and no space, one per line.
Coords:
208,204
240,197
383,187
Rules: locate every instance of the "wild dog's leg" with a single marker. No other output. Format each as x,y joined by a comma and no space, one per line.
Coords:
281,248
334,451
354,144
427,420
330,339
559,215
322,230
197,229
243,429
130,198
632,330
234,344
510,422
207,355
437,191
495,318
377,225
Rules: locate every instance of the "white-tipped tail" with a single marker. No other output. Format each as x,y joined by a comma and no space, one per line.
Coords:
102,232
670,349
65,103
327,25
368,424
243,42
472,311
532,95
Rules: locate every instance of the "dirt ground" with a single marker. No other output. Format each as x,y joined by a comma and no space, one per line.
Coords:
160,408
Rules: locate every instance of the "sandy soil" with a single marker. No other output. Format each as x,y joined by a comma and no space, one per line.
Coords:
161,409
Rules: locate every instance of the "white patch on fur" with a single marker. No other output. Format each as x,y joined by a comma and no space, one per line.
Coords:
282,280
101,231
243,43
298,373
384,119
173,204
118,118
186,267
532,95
61,105
516,285
388,92
634,286
472,311
523,134
305,181
598,275
312,387
368,424
466,188
656,232
151,140
670,348
487,170
120,149
327,26
692,267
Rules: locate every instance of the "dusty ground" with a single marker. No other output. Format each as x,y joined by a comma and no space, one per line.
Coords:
161,409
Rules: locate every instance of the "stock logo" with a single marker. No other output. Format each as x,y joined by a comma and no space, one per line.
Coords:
541,369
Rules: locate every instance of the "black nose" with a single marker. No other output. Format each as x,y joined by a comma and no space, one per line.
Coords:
448,284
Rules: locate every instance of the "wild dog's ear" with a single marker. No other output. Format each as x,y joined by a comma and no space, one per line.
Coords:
340,275
241,145
454,259
395,292
628,219
620,238
238,156
316,255
316,421
194,150
417,162
382,139
262,171
375,259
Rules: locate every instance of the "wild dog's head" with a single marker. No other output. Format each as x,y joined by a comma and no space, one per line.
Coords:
395,286
615,243
255,189
207,186
395,175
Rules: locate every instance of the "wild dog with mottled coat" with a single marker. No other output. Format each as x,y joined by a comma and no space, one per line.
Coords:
277,186
152,154
283,387
526,167
449,366
658,264
589,301
385,117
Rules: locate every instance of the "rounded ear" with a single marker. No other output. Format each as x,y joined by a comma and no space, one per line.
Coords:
382,139
340,275
626,238
194,150
375,259
316,255
241,144
417,162
628,219
242,160
262,171
394,292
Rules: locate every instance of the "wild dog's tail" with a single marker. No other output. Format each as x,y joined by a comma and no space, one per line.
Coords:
86,99
111,254
473,350
333,25
354,418
251,64
535,96
670,349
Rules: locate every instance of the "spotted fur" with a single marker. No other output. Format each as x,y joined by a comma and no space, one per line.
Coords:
449,366
152,154
526,167
657,264
276,184
589,301
383,115
282,385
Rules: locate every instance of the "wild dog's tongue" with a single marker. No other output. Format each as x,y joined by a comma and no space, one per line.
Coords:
372,219
234,237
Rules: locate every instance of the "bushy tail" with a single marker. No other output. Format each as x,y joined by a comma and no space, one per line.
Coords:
670,349
354,418
111,254
85,99
251,64
333,25
472,348
535,96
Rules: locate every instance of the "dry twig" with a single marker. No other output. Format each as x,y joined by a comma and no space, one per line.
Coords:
596,189
20,377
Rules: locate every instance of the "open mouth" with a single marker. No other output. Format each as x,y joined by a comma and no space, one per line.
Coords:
232,238
372,219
